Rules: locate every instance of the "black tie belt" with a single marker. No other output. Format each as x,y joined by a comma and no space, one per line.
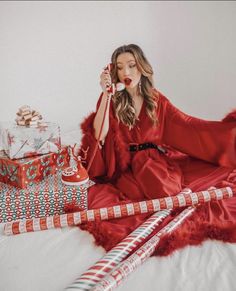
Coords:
134,147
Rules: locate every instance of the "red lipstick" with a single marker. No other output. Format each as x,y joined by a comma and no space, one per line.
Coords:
127,81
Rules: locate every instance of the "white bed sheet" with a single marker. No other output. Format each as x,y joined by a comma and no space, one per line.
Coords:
50,260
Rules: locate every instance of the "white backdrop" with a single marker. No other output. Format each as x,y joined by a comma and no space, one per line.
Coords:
52,53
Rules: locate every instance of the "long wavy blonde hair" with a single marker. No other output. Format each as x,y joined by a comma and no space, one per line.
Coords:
123,102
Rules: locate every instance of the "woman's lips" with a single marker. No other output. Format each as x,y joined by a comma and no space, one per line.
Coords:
127,81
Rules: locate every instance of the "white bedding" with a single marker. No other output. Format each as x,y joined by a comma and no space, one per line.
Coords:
50,260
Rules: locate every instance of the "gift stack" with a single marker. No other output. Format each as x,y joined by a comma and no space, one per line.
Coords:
31,162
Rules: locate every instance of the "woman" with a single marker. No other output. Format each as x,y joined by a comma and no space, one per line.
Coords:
150,149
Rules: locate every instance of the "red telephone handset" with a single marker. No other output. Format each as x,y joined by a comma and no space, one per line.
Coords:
113,87
77,175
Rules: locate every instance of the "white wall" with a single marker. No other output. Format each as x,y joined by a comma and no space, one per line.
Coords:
52,53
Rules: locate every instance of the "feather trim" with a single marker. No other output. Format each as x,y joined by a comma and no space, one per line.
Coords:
87,123
230,117
122,153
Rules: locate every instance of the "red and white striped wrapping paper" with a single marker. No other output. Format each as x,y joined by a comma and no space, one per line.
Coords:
122,271
122,250
107,263
116,211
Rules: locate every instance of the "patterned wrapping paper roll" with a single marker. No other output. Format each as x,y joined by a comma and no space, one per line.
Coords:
122,271
117,211
122,250
107,263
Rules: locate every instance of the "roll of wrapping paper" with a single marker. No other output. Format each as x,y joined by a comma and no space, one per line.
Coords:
117,211
107,263
122,250
122,271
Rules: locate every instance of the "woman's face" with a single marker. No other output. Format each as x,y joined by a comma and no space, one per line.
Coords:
127,70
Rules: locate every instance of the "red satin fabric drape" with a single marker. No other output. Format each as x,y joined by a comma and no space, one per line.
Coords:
200,154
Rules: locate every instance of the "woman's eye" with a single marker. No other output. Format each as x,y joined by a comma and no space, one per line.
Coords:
119,68
132,65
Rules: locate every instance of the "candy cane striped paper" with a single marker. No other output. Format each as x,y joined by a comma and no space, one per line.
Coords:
112,212
105,265
122,271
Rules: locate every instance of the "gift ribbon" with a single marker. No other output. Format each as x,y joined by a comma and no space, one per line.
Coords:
27,116
117,211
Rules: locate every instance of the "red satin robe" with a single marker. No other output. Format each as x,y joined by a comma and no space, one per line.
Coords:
200,154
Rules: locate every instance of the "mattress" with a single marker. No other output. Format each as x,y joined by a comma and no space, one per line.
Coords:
51,260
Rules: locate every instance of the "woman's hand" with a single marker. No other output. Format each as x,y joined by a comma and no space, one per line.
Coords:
105,80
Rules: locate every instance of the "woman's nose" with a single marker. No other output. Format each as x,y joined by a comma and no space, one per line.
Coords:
126,71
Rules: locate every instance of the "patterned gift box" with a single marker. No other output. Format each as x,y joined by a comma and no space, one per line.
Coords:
25,141
25,172
45,198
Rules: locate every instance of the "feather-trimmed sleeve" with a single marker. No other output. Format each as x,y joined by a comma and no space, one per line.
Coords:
212,141
110,159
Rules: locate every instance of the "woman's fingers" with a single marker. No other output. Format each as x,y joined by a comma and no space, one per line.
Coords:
105,80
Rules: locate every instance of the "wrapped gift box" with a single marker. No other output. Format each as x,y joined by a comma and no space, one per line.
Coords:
25,172
45,198
24,141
